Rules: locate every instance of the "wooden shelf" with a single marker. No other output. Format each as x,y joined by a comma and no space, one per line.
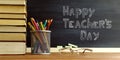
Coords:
64,56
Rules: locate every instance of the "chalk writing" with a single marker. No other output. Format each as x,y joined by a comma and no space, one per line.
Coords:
76,12
83,20
84,35
86,23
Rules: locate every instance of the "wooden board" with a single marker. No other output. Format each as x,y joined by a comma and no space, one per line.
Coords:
67,56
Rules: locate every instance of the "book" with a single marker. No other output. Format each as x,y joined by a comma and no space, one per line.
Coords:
13,2
16,37
12,16
12,29
12,47
12,9
8,22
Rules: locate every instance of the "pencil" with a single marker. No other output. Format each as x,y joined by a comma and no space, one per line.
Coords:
42,27
34,23
49,23
33,29
36,33
45,23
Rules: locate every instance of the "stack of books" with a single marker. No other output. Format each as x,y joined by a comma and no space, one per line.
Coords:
12,26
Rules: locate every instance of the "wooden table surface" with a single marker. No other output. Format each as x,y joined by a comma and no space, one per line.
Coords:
64,56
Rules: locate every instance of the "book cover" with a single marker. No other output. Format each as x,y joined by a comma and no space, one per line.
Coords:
12,47
12,9
12,29
12,16
15,37
13,2
10,22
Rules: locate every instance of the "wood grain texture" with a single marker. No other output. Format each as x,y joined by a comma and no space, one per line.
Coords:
64,56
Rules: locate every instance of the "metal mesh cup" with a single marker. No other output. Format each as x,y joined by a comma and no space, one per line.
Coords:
40,42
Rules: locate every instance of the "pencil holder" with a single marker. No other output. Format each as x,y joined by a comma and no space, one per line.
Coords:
40,42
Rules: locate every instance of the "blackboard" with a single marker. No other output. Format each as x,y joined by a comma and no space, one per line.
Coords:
86,23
